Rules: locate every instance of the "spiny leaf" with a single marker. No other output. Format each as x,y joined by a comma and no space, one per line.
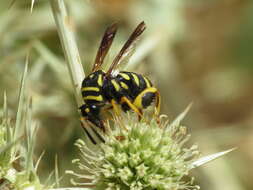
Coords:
21,103
30,148
38,161
9,135
47,181
210,158
32,5
56,172
181,116
5,108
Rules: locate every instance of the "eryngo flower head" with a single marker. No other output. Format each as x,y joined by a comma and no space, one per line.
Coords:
138,155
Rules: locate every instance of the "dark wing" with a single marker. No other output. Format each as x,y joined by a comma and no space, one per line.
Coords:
104,46
125,50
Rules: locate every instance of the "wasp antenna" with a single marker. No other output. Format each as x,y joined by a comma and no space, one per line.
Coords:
140,28
88,134
91,132
98,135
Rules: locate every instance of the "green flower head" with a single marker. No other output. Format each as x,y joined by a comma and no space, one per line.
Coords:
138,155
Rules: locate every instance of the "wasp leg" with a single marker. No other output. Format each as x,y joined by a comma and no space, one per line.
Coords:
131,105
146,97
115,107
157,106
105,112
158,103
108,108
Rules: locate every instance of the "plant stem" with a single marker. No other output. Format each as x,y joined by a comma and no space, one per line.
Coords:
65,31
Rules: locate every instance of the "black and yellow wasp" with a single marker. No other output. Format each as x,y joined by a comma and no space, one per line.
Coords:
120,90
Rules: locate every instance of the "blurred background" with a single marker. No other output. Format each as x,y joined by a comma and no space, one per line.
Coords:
194,51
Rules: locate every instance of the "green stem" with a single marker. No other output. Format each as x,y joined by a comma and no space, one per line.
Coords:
65,31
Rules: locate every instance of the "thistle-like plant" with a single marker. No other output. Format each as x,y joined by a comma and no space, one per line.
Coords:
140,155
17,140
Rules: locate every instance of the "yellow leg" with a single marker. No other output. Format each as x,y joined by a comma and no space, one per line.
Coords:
105,112
138,100
158,103
115,107
131,105
157,106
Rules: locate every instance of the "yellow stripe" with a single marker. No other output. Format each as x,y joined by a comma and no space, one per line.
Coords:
124,85
100,81
147,82
90,89
125,76
138,99
116,85
136,79
98,98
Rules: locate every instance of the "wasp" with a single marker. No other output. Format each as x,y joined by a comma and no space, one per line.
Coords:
121,90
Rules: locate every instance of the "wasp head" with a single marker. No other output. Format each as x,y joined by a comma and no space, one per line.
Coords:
88,110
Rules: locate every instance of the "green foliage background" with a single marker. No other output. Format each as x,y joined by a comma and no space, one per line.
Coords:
198,51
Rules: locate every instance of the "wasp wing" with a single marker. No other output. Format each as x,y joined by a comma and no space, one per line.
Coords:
104,46
126,51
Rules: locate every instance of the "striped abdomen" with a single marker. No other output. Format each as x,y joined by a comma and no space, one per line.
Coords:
132,83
